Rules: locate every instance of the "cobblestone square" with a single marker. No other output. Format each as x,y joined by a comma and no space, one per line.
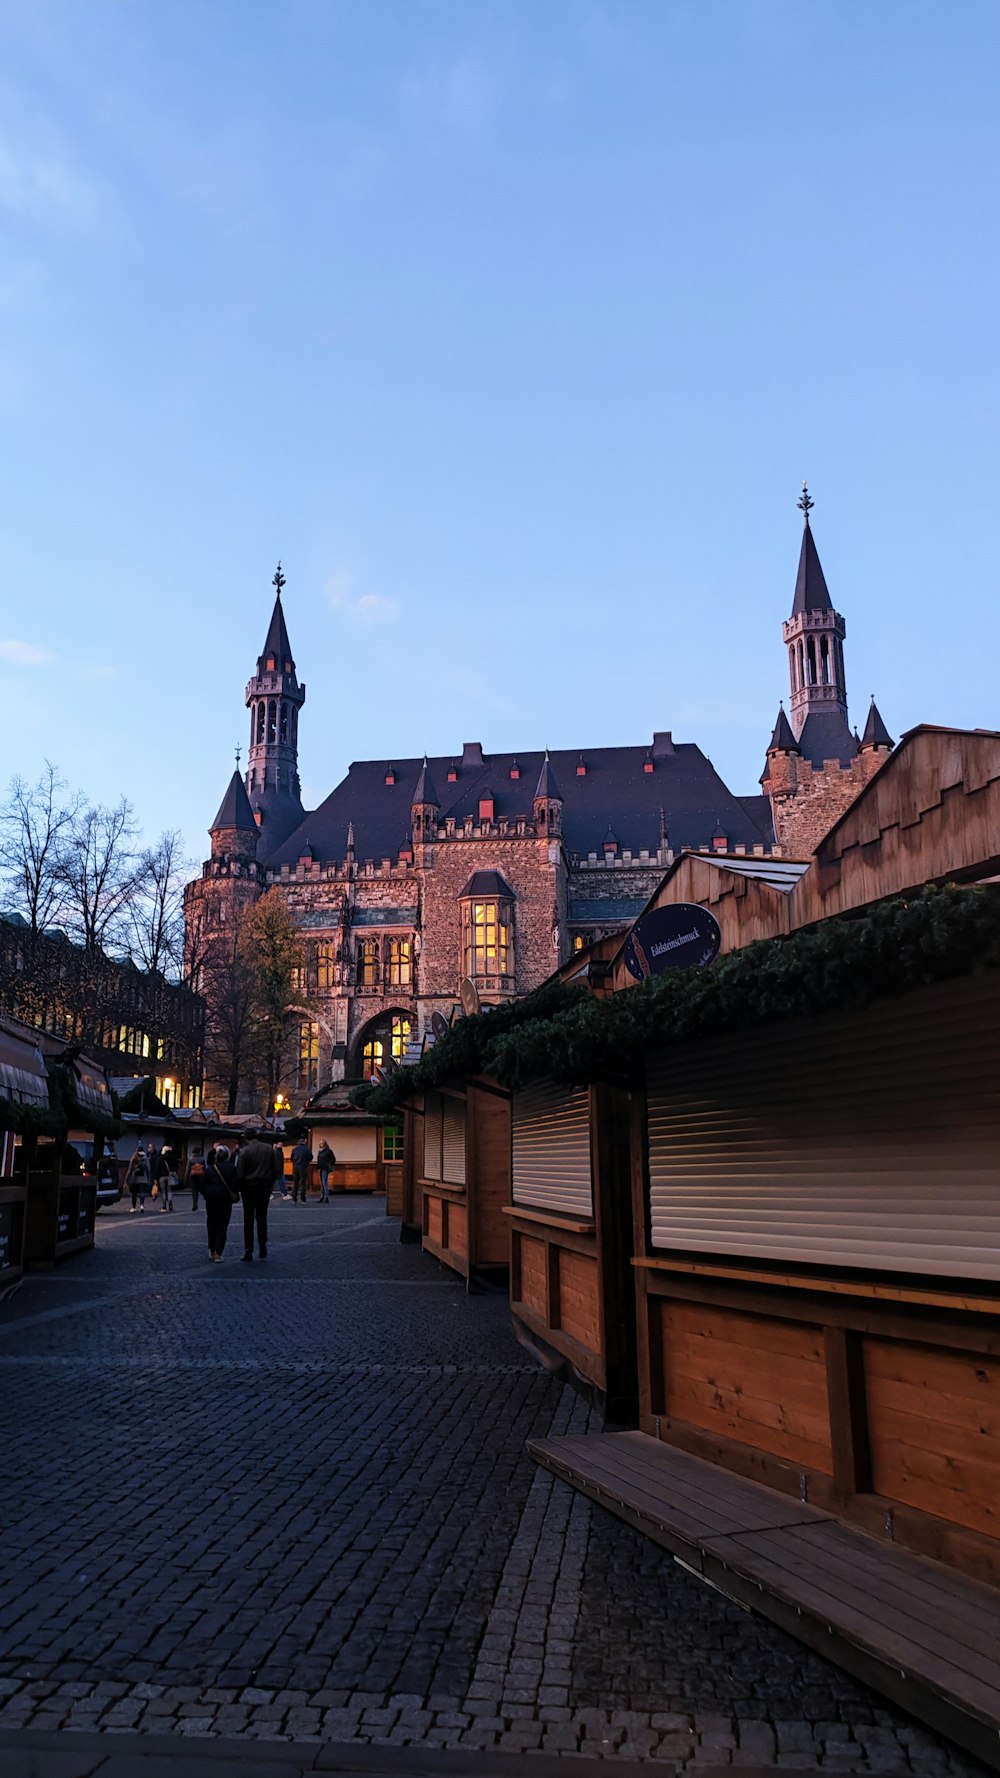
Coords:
290,1501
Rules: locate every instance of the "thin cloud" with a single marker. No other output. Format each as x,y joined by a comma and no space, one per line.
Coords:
23,654
365,608
42,183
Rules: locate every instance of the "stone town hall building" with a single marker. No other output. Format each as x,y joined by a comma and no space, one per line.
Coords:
415,874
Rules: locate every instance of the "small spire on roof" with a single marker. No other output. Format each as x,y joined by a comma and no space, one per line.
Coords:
425,792
350,837
239,751
278,580
547,789
782,739
876,734
805,503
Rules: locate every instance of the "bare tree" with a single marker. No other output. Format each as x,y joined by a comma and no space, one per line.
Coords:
103,872
36,822
156,912
225,976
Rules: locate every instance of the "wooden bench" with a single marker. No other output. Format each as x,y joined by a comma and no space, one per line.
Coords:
923,1634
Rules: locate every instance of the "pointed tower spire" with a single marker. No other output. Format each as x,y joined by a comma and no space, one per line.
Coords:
234,830
274,698
424,806
876,734
782,740
814,637
547,803
547,786
425,795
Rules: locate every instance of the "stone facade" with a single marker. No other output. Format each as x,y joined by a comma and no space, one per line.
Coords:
412,878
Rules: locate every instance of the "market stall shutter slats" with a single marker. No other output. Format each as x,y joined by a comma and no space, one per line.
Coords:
855,1157
551,1149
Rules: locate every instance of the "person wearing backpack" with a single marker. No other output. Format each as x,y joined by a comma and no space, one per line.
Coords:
195,1176
326,1160
137,1179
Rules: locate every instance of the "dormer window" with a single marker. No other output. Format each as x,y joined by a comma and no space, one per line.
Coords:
390,774
269,664
581,767
452,774
486,807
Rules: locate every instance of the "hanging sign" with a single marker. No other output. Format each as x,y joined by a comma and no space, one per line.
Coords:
682,936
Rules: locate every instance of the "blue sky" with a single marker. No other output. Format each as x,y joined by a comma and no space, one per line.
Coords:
512,329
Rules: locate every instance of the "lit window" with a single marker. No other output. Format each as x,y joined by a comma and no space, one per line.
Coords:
371,1057
392,1142
578,941
400,1029
307,1075
486,935
326,962
398,970
367,963
298,978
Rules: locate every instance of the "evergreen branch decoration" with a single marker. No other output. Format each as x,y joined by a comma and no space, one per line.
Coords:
570,1036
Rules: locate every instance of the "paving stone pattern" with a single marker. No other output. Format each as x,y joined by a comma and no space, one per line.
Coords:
290,1501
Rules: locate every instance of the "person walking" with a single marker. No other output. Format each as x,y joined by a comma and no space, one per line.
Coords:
220,1191
326,1160
158,1174
301,1162
195,1175
170,1180
258,1165
137,1179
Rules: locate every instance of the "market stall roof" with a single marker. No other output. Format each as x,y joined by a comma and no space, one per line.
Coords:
23,1080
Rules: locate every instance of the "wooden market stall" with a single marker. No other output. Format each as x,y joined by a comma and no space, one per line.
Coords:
368,1153
457,1143
24,1109
572,1293
62,1200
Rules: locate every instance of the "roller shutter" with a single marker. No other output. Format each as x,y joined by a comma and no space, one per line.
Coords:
432,1136
551,1149
444,1138
453,1141
869,1139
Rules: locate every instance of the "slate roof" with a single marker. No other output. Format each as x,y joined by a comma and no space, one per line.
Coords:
825,735
782,740
235,810
810,583
615,790
425,792
876,734
487,882
276,642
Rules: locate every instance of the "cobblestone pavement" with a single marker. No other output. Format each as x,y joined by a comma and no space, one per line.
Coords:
290,1501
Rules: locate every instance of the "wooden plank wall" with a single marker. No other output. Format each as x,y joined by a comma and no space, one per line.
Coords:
488,1177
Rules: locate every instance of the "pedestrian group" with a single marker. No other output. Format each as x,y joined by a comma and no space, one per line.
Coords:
224,1178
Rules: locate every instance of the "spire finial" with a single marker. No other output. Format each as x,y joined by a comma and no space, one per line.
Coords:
804,503
239,752
278,580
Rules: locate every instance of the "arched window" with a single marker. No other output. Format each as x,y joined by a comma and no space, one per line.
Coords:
398,963
284,723
272,719
386,1038
811,658
260,721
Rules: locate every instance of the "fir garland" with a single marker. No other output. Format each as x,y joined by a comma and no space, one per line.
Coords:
573,1037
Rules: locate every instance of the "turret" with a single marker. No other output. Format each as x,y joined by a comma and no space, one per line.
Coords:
424,806
548,802
274,698
814,637
234,831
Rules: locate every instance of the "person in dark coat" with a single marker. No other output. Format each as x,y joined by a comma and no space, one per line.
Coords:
220,1191
259,1165
158,1171
301,1162
325,1161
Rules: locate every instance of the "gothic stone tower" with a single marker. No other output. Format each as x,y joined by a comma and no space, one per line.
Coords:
815,765
231,880
274,698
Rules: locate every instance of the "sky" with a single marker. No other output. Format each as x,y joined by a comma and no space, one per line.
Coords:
513,330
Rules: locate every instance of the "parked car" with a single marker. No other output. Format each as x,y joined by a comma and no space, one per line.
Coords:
109,1181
